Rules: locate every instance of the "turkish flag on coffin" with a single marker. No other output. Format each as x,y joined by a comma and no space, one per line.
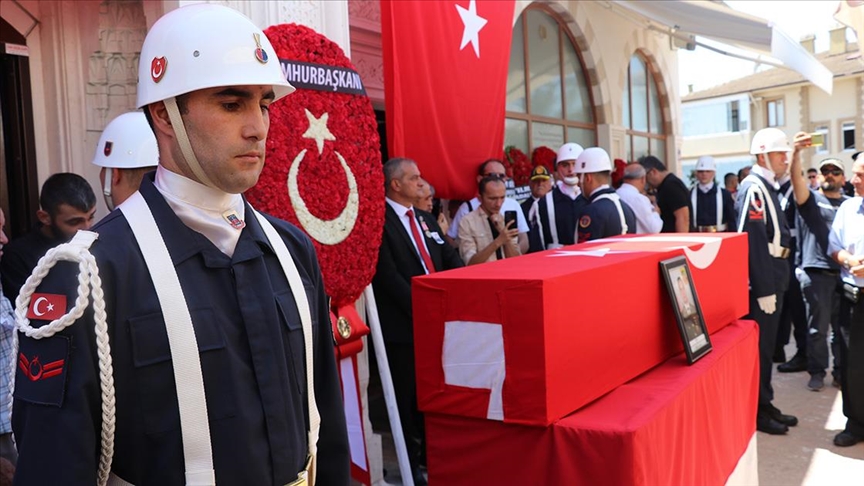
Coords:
445,79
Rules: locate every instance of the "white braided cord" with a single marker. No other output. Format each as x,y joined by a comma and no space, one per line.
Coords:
88,281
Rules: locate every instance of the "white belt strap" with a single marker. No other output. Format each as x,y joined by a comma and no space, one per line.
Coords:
194,425
299,291
785,198
553,225
757,185
617,201
719,207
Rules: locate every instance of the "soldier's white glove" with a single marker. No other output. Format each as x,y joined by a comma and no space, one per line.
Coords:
768,304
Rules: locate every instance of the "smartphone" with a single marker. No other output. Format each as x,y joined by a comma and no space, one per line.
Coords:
509,216
817,139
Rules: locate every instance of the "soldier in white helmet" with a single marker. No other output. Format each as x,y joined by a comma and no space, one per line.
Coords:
606,214
769,239
553,217
223,365
713,207
126,151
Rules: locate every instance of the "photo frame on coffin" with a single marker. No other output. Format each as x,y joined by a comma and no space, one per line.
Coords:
685,304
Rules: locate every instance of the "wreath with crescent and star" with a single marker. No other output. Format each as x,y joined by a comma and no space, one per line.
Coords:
323,169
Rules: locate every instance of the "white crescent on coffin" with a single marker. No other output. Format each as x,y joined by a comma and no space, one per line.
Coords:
701,258
328,232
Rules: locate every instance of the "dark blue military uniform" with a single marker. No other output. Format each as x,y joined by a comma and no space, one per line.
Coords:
252,359
567,211
706,209
819,280
600,219
768,269
793,314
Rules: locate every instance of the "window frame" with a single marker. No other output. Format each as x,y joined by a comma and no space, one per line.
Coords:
842,145
629,133
564,35
817,127
768,101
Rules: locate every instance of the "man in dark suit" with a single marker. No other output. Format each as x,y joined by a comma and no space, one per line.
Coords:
413,244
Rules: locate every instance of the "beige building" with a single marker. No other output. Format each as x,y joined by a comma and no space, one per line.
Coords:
720,121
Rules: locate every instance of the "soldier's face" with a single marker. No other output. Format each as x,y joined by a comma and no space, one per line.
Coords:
705,176
778,162
227,127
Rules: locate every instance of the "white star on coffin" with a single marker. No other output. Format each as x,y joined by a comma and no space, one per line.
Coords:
318,130
473,23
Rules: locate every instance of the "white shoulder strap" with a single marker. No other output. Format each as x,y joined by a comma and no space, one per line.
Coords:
617,201
719,198
299,292
693,200
194,425
767,203
553,225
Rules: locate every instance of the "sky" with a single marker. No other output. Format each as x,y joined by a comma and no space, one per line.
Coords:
703,68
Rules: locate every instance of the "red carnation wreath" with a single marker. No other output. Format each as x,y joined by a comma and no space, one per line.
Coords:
544,156
518,166
341,189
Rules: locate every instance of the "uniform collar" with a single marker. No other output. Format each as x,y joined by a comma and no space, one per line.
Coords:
604,189
184,243
765,174
706,188
570,191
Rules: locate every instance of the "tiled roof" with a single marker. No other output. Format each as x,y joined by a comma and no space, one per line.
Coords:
846,64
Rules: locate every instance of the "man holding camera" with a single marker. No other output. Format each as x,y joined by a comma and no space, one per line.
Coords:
485,235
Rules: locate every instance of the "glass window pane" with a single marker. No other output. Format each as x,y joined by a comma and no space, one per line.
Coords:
655,115
639,94
582,136
544,65
576,87
516,73
547,134
658,149
640,147
781,120
625,104
628,149
516,133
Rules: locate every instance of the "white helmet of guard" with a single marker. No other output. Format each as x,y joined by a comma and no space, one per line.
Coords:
568,151
705,162
205,46
593,159
127,143
769,140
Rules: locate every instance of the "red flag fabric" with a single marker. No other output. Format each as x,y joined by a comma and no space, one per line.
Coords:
445,81
47,307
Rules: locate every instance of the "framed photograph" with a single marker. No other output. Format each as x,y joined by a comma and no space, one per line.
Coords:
685,303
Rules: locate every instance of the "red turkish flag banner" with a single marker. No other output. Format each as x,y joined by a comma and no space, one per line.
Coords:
46,307
445,81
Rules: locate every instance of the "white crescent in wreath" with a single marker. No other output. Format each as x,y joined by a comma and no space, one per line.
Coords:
335,230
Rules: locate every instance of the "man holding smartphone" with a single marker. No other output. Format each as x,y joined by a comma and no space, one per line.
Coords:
484,235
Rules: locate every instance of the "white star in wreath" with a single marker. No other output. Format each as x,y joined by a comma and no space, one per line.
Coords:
318,130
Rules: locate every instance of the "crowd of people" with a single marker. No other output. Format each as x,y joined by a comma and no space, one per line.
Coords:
236,281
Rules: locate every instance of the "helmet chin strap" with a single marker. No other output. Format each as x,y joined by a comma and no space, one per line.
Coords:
183,140
106,189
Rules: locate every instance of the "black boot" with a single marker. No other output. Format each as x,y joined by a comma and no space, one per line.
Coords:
779,355
766,424
794,365
777,415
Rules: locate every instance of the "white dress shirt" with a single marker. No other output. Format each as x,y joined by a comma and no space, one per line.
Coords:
648,221
402,211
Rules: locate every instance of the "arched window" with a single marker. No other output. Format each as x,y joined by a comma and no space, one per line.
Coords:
548,99
643,117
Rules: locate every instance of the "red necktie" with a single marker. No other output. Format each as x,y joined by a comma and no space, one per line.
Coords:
419,242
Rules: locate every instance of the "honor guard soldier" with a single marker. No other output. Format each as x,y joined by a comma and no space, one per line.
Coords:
208,347
553,217
127,150
760,216
818,274
713,207
606,214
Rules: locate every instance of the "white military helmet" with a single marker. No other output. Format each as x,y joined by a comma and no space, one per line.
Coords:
568,151
205,46
769,140
593,159
705,162
198,47
127,143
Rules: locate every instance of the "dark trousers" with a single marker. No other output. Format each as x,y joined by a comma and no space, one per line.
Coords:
853,377
822,302
767,339
401,360
793,316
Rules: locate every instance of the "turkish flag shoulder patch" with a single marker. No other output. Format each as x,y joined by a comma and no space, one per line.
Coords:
41,370
46,307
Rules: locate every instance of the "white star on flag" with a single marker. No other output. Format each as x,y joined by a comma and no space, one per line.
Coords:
318,130
50,307
473,23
